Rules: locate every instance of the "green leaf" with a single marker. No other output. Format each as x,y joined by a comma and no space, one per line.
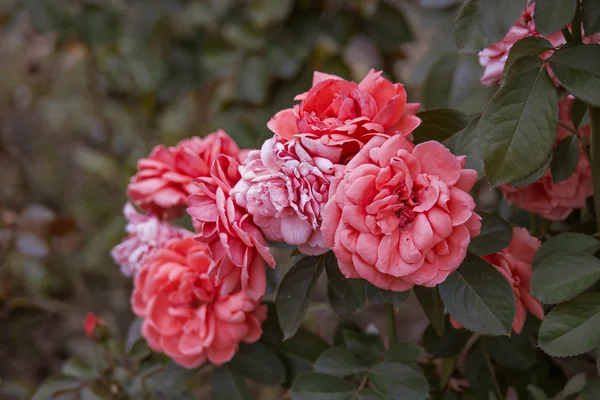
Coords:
171,380
449,344
464,143
591,391
572,328
56,385
467,33
535,176
562,276
133,334
479,297
295,292
369,394
439,125
551,16
259,363
536,393
566,242
513,352
432,306
590,16
404,352
339,361
517,130
319,386
565,158
479,370
578,70
367,347
349,293
228,385
528,46
579,113
377,295
496,17
305,344
496,234
574,385
399,381
97,391
79,369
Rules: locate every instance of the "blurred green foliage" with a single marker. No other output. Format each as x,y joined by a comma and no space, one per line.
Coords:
90,86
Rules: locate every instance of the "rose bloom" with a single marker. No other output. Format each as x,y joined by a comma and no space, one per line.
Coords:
164,179
186,315
285,189
514,263
236,244
147,234
401,214
555,201
494,57
335,118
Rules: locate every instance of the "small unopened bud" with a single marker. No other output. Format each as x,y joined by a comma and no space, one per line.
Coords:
95,327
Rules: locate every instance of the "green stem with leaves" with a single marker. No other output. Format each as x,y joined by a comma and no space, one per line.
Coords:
391,322
594,113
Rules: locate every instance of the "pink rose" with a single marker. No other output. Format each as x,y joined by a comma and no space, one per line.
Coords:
285,189
335,118
236,244
164,179
555,201
186,315
147,234
494,57
514,263
401,214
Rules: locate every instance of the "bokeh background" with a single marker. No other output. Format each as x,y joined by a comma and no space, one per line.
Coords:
88,87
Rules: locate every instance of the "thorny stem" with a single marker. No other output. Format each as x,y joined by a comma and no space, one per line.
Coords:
391,322
594,113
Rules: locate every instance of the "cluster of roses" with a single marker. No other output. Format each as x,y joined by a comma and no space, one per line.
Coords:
340,173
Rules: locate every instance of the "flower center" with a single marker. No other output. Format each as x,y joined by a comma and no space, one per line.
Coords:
405,216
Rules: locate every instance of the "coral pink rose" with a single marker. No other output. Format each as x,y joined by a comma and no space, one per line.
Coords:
494,57
285,189
335,118
164,179
401,214
555,201
186,315
147,234
514,263
236,244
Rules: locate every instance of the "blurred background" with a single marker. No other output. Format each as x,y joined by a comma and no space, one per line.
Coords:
88,87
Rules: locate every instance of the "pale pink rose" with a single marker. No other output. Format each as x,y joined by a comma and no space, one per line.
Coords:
494,57
236,244
555,201
285,189
335,118
514,263
186,315
164,179
147,234
401,214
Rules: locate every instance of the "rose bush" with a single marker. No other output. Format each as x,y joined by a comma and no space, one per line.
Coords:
489,221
